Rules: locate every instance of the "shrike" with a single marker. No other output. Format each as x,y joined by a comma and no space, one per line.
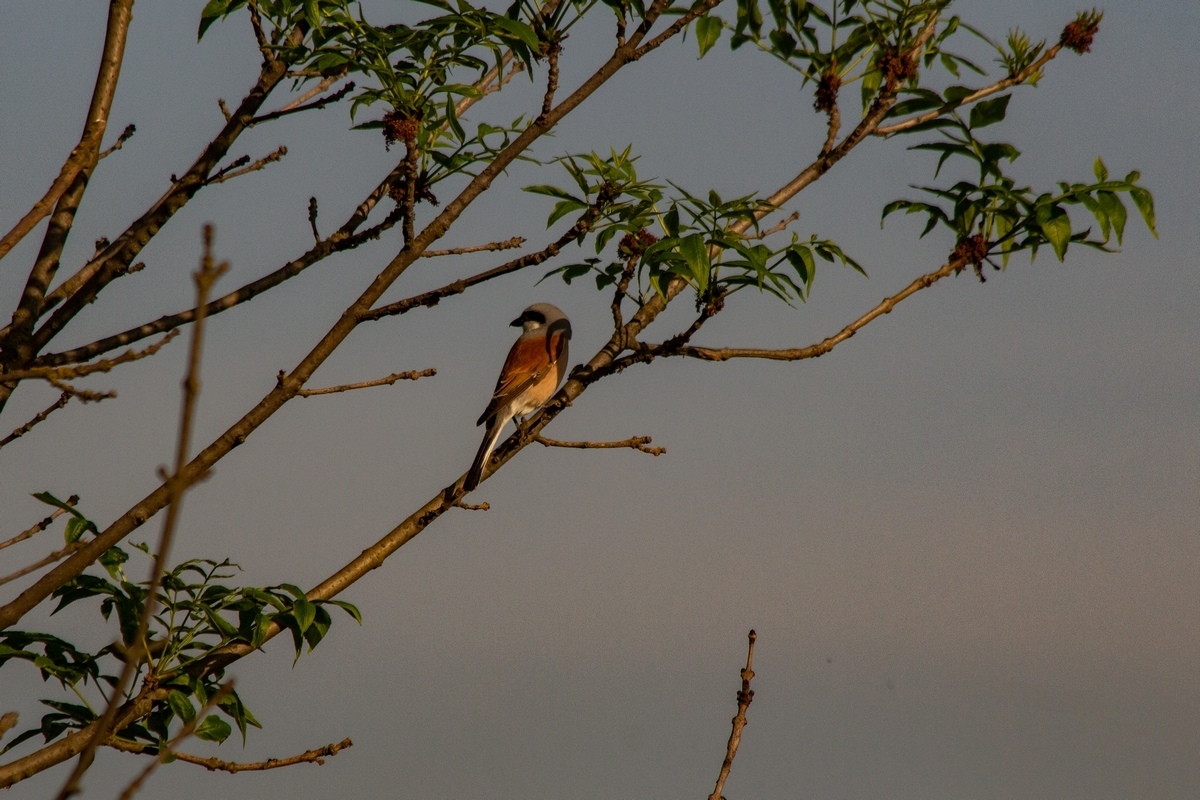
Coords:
535,366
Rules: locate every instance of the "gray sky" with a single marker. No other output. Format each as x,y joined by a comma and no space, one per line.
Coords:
967,538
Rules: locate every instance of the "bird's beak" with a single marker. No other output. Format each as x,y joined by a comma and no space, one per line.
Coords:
518,322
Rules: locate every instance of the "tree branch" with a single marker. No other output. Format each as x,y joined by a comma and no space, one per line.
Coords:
744,697
204,278
345,238
62,400
979,94
316,756
57,555
295,106
55,374
41,526
230,172
67,190
432,298
411,375
633,443
507,244
125,136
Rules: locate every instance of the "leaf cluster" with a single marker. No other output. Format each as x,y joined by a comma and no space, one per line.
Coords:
197,614
1013,218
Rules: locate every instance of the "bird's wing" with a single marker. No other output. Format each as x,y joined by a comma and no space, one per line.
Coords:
528,362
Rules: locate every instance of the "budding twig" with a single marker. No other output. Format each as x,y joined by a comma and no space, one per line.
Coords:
744,698
633,443
411,375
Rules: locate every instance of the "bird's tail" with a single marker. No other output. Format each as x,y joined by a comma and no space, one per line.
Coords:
475,473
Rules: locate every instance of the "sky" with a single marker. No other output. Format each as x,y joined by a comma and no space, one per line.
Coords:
967,538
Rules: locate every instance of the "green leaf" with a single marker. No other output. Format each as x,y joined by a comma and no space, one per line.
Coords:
75,528
181,705
520,31
1114,209
1100,170
112,559
708,31
349,608
989,111
213,729
304,612
695,252
211,12
1056,227
1145,203
802,261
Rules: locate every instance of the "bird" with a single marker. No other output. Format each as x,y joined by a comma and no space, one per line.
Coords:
535,366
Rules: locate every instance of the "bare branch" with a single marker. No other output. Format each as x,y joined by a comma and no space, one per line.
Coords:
61,373
507,244
125,136
345,238
472,507
633,443
57,555
326,82
979,94
259,35
41,526
62,400
225,112
312,218
951,267
176,485
795,215
316,756
432,298
83,395
294,107
185,732
411,375
744,697
229,172
7,722
551,51
66,192
678,25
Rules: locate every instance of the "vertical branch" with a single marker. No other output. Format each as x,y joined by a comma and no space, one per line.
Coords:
744,697
204,277
67,190
410,189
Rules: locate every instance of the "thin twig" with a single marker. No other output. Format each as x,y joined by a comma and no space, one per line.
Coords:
126,134
326,82
62,400
208,273
432,298
57,555
633,443
316,756
979,94
552,49
82,395
53,374
259,35
312,218
185,732
411,375
472,506
41,526
744,697
229,173
507,244
795,215
294,107
821,348
225,112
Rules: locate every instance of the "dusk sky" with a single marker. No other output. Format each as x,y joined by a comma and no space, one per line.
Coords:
968,538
